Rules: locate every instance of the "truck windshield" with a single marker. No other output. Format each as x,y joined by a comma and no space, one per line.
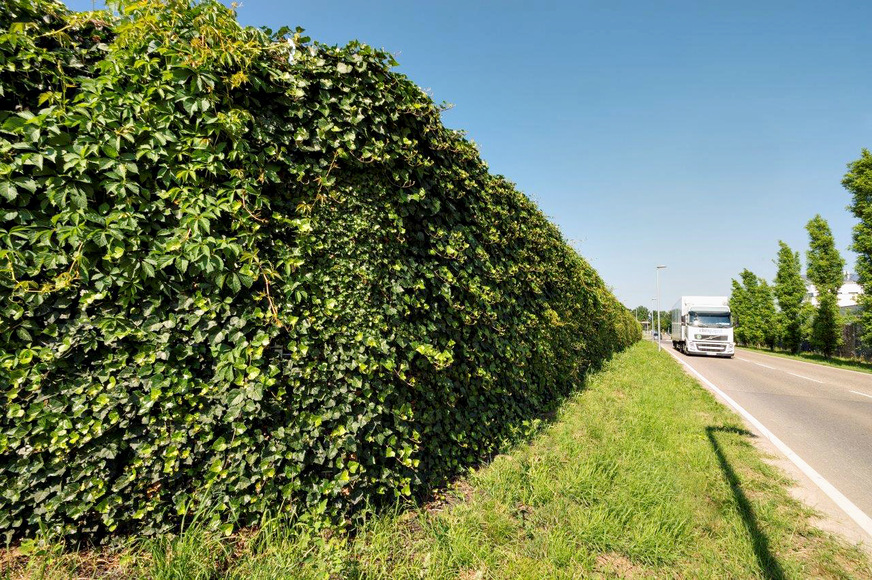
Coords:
711,319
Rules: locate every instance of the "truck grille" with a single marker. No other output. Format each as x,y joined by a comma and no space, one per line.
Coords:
714,337
711,347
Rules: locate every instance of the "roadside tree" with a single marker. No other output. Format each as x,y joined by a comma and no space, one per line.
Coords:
764,302
806,318
739,309
858,181
665,321
825,267
641,313
789,290
753,310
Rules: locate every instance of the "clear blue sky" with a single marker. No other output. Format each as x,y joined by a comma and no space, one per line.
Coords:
692,134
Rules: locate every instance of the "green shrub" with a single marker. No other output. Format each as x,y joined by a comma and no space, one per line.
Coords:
243,273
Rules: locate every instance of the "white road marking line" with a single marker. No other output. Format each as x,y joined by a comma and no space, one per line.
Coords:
855,513
762,365
806,378
801,376
756,363
782,370
794,374
864,394
818,365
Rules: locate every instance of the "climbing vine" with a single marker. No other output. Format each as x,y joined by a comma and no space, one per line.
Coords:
241,271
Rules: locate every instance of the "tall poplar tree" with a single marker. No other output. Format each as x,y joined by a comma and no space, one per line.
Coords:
740,307
858,181
764,303
789,289
753,310
825,267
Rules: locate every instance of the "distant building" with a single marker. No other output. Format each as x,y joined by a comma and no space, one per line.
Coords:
848,292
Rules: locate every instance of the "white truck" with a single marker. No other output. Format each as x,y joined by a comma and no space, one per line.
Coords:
702,325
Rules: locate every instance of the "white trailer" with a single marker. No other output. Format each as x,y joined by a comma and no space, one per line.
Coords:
703,325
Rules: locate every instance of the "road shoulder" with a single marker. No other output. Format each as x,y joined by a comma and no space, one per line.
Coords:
828,515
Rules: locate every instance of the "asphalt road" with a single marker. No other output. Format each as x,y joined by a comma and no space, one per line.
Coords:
822,413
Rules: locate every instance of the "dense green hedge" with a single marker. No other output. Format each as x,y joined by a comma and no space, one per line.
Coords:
240,270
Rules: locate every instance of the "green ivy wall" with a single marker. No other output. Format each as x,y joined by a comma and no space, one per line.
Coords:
242,272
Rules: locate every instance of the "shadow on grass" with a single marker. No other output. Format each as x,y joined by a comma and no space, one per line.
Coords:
769,566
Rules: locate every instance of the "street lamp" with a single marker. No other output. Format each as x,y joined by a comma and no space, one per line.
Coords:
659,338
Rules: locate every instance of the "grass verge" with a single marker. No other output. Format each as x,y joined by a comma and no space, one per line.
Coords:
642,474
838,362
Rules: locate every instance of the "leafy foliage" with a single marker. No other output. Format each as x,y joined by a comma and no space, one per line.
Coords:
825,265
858,181
641,313
824,270
665,321
790,291
753,310
244,272
826,326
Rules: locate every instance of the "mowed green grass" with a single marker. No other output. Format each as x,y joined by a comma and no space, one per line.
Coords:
642,474
837,362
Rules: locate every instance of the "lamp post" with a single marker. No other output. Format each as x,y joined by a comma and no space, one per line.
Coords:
659,338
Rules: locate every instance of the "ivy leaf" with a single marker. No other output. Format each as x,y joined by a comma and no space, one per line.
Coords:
147,269
234,283
8,191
